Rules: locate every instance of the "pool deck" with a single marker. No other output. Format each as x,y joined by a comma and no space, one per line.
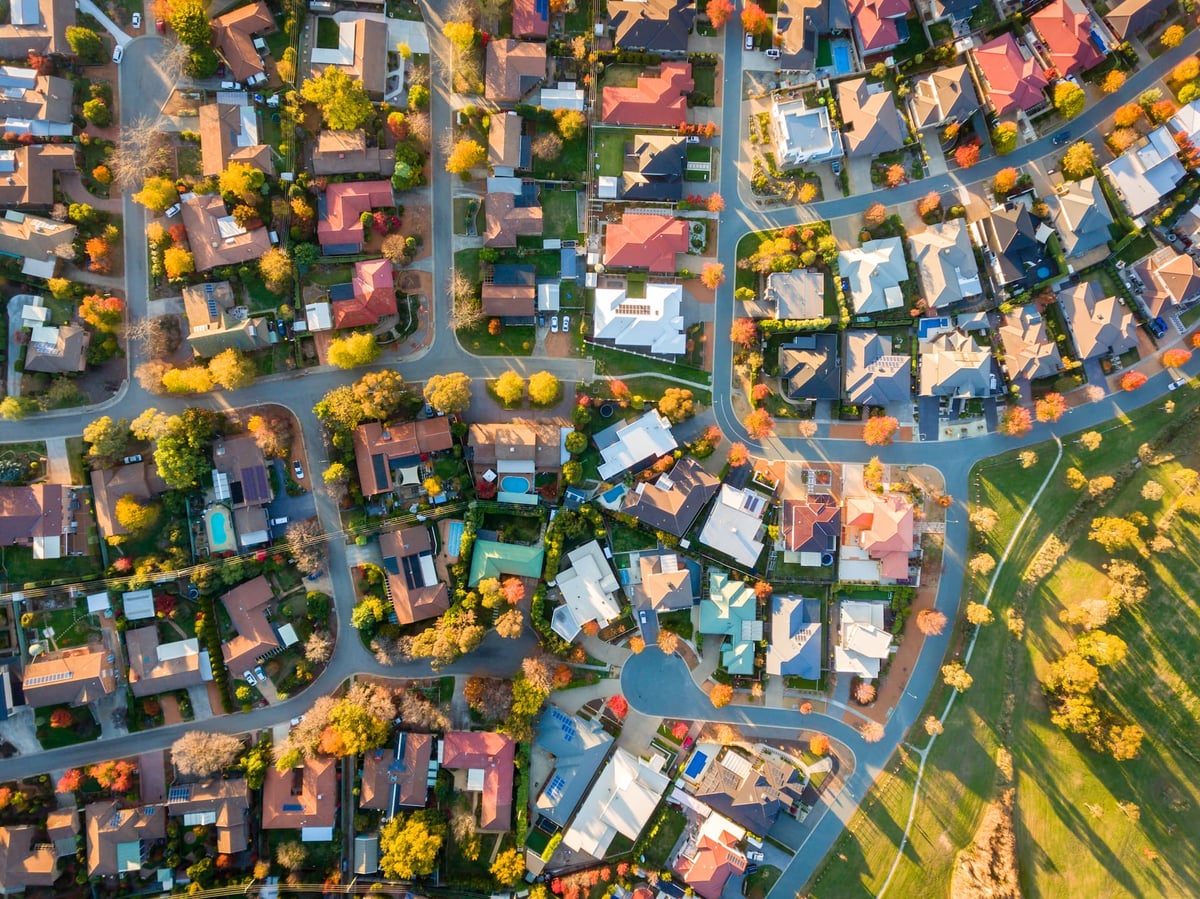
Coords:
230,541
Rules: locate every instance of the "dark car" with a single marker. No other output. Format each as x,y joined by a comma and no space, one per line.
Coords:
283,328
1158,326
1061,138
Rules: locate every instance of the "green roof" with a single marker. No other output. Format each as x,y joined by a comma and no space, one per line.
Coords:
492,559
731,610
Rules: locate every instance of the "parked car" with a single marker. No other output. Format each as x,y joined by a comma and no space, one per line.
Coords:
749,42
137,20
1159,326
755,856
248,677
297,720
1176,384
642,616
750,869
220,70
130,460
160,26
541,319
1061,138
173,211
693,139
118,54
429,413
298,470
566,323
773,53
554,324
260,674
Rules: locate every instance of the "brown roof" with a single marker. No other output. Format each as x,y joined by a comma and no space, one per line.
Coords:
63,824
377,447
154,670
228,799
1132,16
540,441
109,826
672,502
37,238
412,581
30,514
519,300
1100,324
666,583
302,797
1171,279
152,775
514,68
370,55
241,460
73,676
247,608
1029,352
45,98
232,37
382,774
215,239
67,354
504,141
493,755
25,861
346,152
139,480
27,176
506,221
49,35
220,126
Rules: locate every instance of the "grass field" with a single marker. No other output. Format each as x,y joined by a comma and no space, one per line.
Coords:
560,214
610,150
1071,836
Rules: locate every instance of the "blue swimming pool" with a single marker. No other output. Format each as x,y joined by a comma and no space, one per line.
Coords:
454,539
513,484
841,59
696,765
220,530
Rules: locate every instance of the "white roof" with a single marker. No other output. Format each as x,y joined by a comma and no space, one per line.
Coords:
139,604
1187,121
287,635
1147,173
652,324
316,834
565,95
588,588
734,525
548,297
862,641
622,799
98,602
875,271
641,439
179,649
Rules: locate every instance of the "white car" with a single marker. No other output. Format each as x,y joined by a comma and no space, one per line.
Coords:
118,54
749,42
137,20
566,326
173,211
554,324
1175,385
248,677
773,53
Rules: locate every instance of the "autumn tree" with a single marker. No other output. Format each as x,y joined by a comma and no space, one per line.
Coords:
509,388
157,194
571,123
933,726
1113,533
135,516
203,754
272,433
719,13
318,648
982,563
461,34
1069,99
1027,458
744,332
879,430
668,641
544,388
353,350
1050,407
895,175
712,275
291,855
759,424
956,676
509,866
738,455
85,43
931,622
104,313
1128,115
61,718
548,146
978,614
1004,138
1080,159
636,645
721,695
466,154
1015,422
929,204
277,270
1172,37
510,624
819,745
178,262
875,215
754,20
448,638
967,155
1176,357
677,404
107,439
984,519
232,369
1113,81
343,102
448,393
864,693
71,781
1005,181
1132,380
872,732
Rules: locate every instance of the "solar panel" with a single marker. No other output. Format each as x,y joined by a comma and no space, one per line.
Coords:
555,788
565,722
115,820
179,794
54,678
292,807
254,484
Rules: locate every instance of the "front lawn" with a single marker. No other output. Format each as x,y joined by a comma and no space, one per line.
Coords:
82,729
615,362
514,340
467,216
706,85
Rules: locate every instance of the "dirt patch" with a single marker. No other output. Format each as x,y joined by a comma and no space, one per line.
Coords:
558,346
987,869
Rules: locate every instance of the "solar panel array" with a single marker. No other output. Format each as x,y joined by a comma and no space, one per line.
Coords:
179,794
39,679
292,807
254,484
565,722
554,789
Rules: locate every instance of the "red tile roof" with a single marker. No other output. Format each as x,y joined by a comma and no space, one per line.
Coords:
1012,80
1065,27
493,754
345,203
374,296
646,241
232,38
659,99
531,18
711,865
883,527
301,797
876,21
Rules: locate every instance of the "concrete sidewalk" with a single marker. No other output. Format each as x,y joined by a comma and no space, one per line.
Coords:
58,462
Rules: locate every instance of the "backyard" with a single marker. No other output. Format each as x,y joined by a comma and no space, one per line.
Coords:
560,214
610,150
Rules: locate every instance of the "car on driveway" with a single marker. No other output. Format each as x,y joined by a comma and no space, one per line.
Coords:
554,324
160,25
773,53
137,20
1158,327
118,54
755,856
298,470
749,42
541,319
248,677
566,323
260,674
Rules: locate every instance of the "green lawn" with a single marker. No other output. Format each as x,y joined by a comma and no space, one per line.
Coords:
467,262
706,82
560,214
20,567
514,340
570,166
1140,246
467,216
614,362
661,835
84,730
327,33
621,75
610,150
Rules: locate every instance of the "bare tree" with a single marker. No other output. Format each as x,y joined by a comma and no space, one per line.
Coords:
160,337
318,648
466,311
306,543
930,622
142,150
420,129
201,754
872,732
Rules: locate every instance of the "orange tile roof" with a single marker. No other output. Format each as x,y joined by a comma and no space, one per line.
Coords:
302,797
374,296
658,99
1065,27
493,754
646,241
345,202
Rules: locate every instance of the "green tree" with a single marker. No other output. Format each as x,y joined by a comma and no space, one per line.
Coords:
1069,99
135,517
368,613
232,369
509,387
576,442
340,409
544,388
241,181
357,729
381,393
343,102
1004,138
354,350
157,194
449,393
85,44
191,23
181,451
108,438
418,96
409,845
572,472
509,867
97,112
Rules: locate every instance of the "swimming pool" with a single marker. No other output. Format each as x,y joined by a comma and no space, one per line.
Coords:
220,529
841,59
514,484
454,539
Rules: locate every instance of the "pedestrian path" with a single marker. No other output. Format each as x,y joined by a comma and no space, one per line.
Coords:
109,25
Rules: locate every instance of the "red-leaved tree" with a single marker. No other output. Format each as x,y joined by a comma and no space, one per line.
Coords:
69,782
967,155
879,430
619,707
1132,380
1175,357
1015,422
61,718
744,331
754,20
719,12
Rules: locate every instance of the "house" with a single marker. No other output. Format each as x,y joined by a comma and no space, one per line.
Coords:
27,861
589,590
62,828
1171,280
795,649
645,241
222,804
514,70
799,27
1012,79
654,165
73,677
1131,17
750,791
708,859
1065,27
672,501
303,798
33,104
811,526
802,134
256,635
628,444
575,749
875,375
874,273
1029,353
511,210
233,38
623,797
654,26
564,95
1186,122
369,296
491,558
509,148
229,133
862,641
1081,216
531,19
667,583
943,97
1017,247
412,582
138,605
156,667
43,517
510,293
735,527
27,173
1147,171
871,123
877,537
808,367
240,483
382,449
946,265
119,839
797,295
348,153
652,324
340,229
58,349
1100,325
37,25
880,24
958,11
731,611
216,323
516,447
361,53
954,365
487,760
215,237
39,243
398,778
658,100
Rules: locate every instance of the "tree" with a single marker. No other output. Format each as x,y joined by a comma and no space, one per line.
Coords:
1113,533
85,44
1080,159
181,450
448,638
872,732
203,754
1004,138
343,102
157,194
1072,674
544,388
418,96
1127,116
1015,422
636,645
191,23
318,648
510,624
467,154
978,614
71,781
232,369
984,519
277,269
367,614
547,145
895,175
738,455
306,544
104,313
982,563
61,718
576,442
571,123
1069,99
1005,181
1132,380
448,393
879,430
1100,485
1172,37
1124,742
875,215
97,112
719,12
490,697
967,155
754,20
677,404
1176,357
931,622
864,693
360,348
721,695
178,262
135,517
1028,458
381,394
744,332
15,408
819,745
956,676
929,204
509,867
241,181
1051,407
1153,491
461,34
712,275
759,424
1103,649
509,387
272,433
291,855
619,706
108,439
1113,81
195,379
668,642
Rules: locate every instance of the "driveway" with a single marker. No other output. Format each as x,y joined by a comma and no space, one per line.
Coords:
293,508
859,170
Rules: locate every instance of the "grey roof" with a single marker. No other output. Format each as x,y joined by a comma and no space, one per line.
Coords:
662,25
1098,323
870,121
952,364
798,294
947,95
672,502
809,365
946,264
801,23
1081,215
654,168
1010,235
578,748
875,375
1132,16
875,271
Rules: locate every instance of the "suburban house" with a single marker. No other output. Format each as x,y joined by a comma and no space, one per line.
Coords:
946,265
256,635
874,273
156,667
795,649
57,349
654,165
46,518
27,173
1186,122
348,153
39,26
215,237
395,779
574,750
223,804
943,97
27,860
511,209
1147,171
711,856
509,148
1171,280
877,537
730,610
659,99
810,515
808,367
590,592
863,642
33,104
40,243
514,70
802,134
1065,27
240,482
1012,79
303,798
119,839
621,800
381,450
490,558
531,19
954,365
1029,353
646,242
361,53
510,293
875,375
62,827
484,763
516,447
800,26
367,298
652,324
233,39
629,444
667,583
880,24
137,479
1081,216
75,677
340,229
1100,325
563,95
412,582
229,133
750,791
672,501
1016,247
1130,17
216,323
655,26
871,123
798,295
